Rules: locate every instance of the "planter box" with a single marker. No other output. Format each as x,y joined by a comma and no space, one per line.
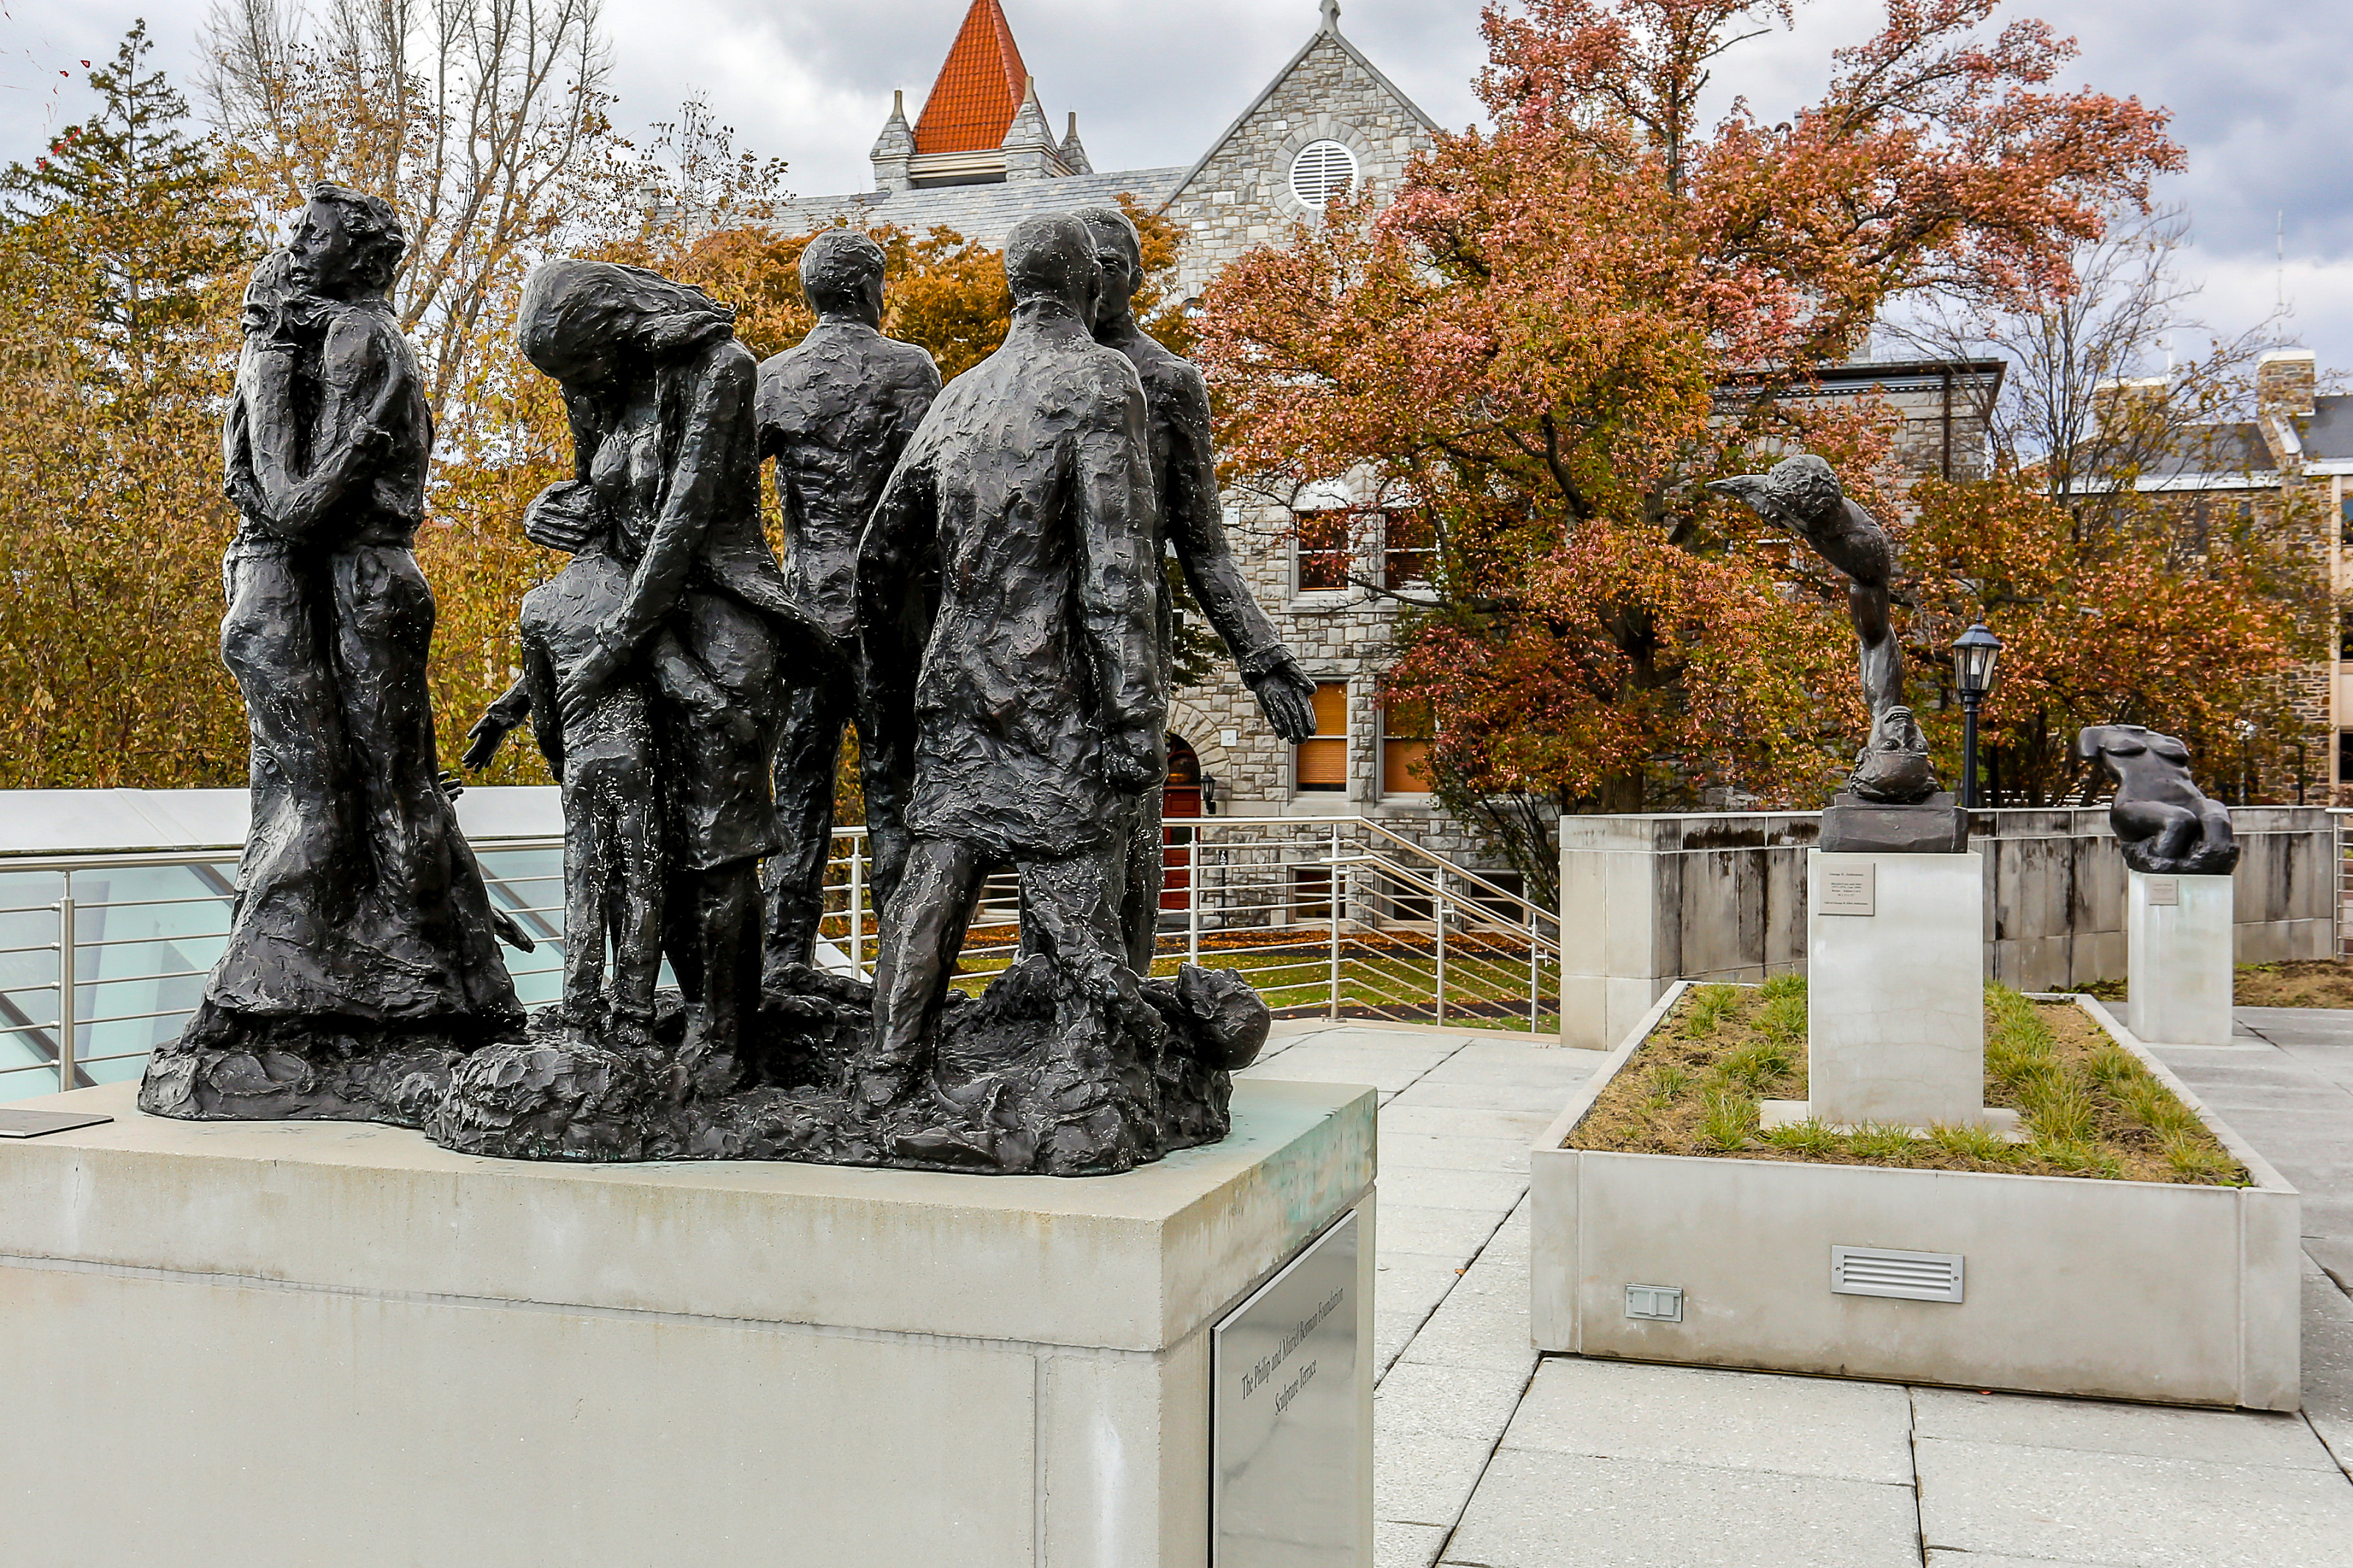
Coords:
2068,1285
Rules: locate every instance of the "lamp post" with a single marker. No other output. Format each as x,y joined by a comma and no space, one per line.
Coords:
1974,657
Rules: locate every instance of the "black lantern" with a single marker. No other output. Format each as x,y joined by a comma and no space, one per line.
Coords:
1974,655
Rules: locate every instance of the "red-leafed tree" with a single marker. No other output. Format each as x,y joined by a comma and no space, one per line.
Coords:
1532,342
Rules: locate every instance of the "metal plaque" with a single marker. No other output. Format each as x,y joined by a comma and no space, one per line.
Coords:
1287,1440
2164,891
1850,890
33,1123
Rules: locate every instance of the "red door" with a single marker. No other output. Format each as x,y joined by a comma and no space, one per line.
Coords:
1180,798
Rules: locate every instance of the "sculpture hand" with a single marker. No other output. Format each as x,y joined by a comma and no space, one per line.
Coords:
484,740
1132,762
562,517
580,685
1287,697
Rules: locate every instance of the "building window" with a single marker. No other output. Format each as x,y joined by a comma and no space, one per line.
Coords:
1323,761
1322,544
1406,732
1408,544
1323,170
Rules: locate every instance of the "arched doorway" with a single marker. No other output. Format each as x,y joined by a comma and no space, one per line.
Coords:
1181,797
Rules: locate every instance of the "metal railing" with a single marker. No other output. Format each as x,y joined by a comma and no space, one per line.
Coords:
1327,916
104,956
2343,820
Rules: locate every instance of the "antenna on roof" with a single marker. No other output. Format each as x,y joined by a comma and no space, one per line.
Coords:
2281,239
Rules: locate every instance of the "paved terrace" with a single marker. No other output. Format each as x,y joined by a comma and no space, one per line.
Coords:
1489,1455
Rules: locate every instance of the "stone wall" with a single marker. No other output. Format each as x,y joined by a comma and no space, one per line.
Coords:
1647,901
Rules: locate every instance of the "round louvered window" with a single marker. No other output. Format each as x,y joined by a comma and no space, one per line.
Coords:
1321,171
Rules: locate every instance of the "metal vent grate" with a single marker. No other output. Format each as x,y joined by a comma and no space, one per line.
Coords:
1907,1276
1321,171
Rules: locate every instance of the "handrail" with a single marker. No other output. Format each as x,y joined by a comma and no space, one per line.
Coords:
1387,928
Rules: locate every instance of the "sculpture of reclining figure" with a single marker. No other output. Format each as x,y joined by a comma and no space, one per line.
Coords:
2166,826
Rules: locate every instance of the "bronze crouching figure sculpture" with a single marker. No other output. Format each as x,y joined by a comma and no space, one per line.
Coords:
2166,825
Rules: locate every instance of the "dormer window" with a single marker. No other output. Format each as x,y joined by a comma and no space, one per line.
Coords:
1323,170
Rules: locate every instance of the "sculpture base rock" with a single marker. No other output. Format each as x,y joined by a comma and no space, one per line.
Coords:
1035,1076
226,1066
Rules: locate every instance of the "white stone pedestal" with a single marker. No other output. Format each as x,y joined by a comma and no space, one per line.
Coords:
1896,992
266,1344
2179,958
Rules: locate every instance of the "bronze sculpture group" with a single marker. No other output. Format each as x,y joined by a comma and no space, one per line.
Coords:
973,582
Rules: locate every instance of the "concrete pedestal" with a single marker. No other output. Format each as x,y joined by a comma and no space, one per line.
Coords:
287,1343
2178,935
1895,990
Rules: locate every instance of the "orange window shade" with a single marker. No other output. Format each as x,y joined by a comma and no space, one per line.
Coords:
1332,708
1323,764
1406,730
1404,767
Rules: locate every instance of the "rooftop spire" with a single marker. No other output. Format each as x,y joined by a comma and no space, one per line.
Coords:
980,86
1331,15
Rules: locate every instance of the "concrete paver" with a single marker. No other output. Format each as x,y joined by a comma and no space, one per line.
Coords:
1432,1187
1410,1283
1448,1400
1537,1510
1828,1427
1406,1545
1425,1478
2148,1431
1433,1151
1456,1234
2130,1509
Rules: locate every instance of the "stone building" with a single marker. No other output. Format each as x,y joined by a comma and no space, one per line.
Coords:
982,154
2290,467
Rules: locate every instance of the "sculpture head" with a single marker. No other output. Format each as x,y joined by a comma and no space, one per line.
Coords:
1051,257
1119,251
1801,494
589,324
841,274
347,244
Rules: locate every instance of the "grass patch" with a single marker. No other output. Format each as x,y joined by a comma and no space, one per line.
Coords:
2296,983
2090,1107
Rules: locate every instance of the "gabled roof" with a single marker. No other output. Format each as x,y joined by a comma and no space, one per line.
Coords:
980,86
1330,29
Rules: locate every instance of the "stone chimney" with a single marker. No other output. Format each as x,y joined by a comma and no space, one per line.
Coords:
1075,156
2116,404
2284,386
1030,151
893,148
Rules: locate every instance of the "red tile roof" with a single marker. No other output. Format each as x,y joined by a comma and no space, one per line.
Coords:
979,88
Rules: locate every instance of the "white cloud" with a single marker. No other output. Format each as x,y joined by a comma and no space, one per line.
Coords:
2255,98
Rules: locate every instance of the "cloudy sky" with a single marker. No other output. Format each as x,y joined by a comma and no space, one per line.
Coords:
2257,95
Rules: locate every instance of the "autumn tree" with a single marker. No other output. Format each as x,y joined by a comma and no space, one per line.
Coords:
120,259
2120,602
1527,345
